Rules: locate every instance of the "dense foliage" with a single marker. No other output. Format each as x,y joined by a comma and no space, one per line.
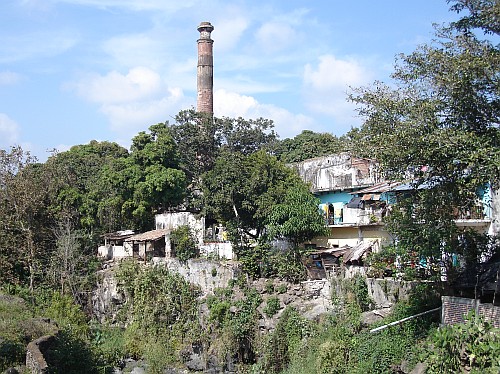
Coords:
184,243
438,125
162,314
308,144
474,345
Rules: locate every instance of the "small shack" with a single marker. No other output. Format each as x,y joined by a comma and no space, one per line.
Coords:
323,261
154,243
115,245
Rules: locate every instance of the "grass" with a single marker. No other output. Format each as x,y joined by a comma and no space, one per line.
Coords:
17,329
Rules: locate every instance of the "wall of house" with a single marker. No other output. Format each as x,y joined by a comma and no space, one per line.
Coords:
338,171
494,228
339,236
115,251
223,250
176,219
376,233
331,197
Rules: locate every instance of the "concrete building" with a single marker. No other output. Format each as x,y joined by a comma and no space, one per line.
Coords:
335,180
355,198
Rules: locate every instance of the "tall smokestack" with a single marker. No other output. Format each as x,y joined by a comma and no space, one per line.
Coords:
205,101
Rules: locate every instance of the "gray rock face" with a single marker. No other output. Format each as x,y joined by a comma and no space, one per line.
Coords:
107,299
195,362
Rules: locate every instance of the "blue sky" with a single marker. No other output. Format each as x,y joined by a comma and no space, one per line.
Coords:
76,70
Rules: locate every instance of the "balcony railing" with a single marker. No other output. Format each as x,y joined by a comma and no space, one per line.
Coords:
475,212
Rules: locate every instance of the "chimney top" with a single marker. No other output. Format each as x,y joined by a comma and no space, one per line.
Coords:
205,29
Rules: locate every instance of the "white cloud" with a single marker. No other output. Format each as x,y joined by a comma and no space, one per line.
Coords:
9,77
275,36
327,85
9,131
233,105
138,84
332,73
228,32
35,45
136,50
131,117
132,101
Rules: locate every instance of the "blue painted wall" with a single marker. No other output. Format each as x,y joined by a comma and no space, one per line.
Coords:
335,197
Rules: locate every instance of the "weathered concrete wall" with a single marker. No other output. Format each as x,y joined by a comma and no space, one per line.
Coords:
206,274
386,292
222,250
174,220
35,360
336,172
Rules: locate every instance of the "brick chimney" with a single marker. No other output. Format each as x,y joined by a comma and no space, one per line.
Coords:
205,102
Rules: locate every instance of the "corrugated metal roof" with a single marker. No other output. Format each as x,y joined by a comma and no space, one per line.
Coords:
357,252
378,188
148,236
124,234
336,252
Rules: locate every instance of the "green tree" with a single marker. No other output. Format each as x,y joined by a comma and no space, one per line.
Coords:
198,138
23,215
439,124
247,136
184,242
74,176
202,139
241,190
308,144
296,218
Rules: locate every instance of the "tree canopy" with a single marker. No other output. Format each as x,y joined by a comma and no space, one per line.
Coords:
308,144
244,191
439,122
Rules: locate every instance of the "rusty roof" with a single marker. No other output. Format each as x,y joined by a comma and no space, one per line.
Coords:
117,235
377,188
358,252
148,236
336,252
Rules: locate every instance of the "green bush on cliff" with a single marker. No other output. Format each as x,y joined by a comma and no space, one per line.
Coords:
162,314
184,243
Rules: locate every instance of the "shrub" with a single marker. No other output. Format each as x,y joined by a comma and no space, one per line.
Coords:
219,311
474,345
70,354
184,243
108,344
272,306
352,291
282,288
286,340
269,286
67,314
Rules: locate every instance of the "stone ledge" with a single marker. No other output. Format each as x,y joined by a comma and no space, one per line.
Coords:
35,360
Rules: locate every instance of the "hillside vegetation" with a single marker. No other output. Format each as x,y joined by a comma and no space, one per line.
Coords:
438,122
